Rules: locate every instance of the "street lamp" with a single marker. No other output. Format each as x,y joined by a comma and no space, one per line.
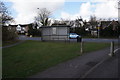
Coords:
119,11
1,17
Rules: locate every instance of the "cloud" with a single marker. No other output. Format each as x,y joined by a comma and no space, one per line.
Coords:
84,12
89,0
107,10
27,9
65,15
103,9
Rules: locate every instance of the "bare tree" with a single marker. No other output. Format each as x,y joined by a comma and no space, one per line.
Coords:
4,14
79,22
93,21
43,16
8,34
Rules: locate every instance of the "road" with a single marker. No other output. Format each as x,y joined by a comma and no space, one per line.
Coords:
96,40
23,37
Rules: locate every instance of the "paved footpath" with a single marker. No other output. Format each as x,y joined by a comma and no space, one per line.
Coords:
75,68
108,69
13,44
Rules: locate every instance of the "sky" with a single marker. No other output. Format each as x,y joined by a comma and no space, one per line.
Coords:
24,11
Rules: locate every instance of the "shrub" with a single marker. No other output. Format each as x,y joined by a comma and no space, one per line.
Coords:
34,32
8,34
109,32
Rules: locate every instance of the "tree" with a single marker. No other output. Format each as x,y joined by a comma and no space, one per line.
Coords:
7,34
110,32
93,21
79,22
33,31
4,14
43,17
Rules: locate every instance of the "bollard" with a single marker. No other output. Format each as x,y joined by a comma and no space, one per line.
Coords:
111,49
81,47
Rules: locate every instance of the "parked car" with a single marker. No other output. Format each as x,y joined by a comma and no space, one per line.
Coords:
73,35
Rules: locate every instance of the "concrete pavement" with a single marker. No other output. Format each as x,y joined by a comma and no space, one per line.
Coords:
75,68
12,44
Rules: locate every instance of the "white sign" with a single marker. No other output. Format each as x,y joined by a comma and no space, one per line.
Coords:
54,30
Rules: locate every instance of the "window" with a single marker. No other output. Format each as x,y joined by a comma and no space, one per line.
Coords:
54,30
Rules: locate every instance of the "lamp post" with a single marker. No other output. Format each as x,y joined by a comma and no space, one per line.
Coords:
38,19
119,11
1,16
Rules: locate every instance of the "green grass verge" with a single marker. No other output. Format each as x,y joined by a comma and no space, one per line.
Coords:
31,57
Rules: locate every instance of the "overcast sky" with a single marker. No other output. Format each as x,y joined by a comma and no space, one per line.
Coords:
24,11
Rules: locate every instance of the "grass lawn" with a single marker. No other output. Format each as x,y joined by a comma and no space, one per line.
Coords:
31,57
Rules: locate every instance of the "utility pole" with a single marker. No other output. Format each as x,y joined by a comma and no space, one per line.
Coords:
119,11
1,17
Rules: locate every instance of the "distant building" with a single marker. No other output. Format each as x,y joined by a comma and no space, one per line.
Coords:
112,23
55,33
23,28
104,24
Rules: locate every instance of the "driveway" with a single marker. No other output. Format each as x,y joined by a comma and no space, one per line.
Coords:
12,44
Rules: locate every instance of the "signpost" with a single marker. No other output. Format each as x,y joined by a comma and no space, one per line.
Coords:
99,23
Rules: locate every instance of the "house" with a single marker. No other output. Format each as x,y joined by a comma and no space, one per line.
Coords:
112,23
19,28
94,32
23,28
55,33
104,24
